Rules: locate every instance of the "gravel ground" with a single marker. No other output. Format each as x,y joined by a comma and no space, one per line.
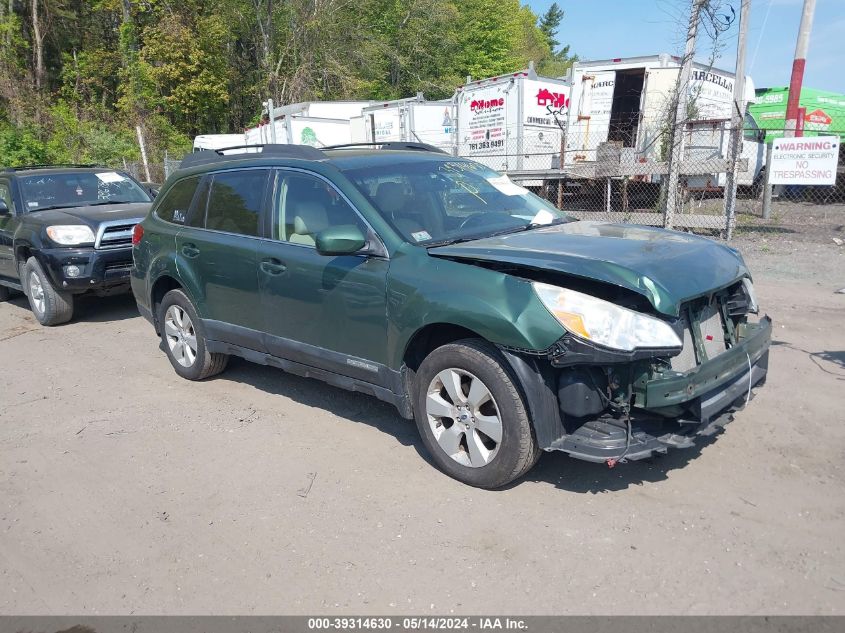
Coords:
126,490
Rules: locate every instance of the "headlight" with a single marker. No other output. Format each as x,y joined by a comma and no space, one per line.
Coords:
603,322
69,235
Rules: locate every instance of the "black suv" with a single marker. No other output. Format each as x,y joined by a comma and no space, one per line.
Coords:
65,231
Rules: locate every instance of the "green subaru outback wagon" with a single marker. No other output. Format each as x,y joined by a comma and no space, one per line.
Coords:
500,325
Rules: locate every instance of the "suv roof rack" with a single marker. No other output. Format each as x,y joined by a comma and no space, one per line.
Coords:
207,156
393,145
47,166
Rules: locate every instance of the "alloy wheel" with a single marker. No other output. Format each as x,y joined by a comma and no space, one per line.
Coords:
181,336
36,293
464,417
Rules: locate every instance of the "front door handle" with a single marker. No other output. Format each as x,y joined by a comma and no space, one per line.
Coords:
272,266
190,250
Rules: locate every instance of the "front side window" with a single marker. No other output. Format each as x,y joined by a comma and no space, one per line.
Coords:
435,201
305,205
78,189
752,130
175,204
235,200
6,196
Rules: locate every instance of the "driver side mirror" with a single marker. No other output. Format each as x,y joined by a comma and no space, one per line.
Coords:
153,191
761,136
340,240
4,208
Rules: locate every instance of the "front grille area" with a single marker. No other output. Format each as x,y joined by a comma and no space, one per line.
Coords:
712,330
118,266
706,334
116,234
686,359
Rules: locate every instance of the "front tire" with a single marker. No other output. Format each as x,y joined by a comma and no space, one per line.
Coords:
49,305
471,416
183,336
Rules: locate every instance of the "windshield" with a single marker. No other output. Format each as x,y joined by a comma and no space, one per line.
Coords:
436,201
79,188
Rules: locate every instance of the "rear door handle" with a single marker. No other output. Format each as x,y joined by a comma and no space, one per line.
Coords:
190,250
272,266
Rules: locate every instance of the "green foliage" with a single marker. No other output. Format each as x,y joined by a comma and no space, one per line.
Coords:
179,69
188,83
20,145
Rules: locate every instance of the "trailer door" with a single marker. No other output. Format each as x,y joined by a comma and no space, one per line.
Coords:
590,118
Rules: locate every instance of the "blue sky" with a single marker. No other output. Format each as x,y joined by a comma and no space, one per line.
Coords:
602,29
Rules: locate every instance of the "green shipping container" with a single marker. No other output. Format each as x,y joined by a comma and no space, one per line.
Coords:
825,112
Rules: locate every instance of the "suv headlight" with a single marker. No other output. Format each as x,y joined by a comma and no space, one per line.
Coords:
71,234
603,322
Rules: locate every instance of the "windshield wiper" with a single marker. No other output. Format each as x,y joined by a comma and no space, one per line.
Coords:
101,202
454,240
508,231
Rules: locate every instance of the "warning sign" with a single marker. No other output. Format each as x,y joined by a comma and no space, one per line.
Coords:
804,161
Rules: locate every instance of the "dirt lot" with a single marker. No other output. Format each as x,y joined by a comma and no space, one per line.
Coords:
124,489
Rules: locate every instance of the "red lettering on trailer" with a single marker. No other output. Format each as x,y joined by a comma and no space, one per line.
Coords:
486,104
557,100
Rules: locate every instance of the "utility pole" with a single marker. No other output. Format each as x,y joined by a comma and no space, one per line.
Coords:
270,115
798,64
737,117
682,95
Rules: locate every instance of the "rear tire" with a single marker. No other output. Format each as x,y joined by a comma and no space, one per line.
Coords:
5,293
183,336
50,305
471,416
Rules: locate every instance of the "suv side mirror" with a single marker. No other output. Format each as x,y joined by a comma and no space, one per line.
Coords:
761,136
4,208
153,191
340,240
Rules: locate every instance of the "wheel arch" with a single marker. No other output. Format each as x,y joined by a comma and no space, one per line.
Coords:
431,336
532,375
162,285
24,250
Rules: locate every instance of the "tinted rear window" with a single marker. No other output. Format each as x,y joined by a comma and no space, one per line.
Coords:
234,204
174,206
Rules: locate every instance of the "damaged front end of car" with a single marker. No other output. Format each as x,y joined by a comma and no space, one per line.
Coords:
629,401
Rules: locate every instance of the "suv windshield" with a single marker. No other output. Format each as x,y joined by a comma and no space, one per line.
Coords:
436,201
79,188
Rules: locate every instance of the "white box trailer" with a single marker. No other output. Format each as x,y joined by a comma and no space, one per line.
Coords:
630,100
323,109
316,123
218,141
413,120
301,130
512,122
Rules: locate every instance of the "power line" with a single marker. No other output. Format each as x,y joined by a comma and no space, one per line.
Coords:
760,39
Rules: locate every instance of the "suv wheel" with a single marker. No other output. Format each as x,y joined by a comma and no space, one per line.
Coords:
471,416
184,339
5,293
49,305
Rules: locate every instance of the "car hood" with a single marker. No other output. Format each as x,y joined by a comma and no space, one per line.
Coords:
666,267
93,216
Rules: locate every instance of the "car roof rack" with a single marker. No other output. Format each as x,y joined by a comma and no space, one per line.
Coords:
51,166
392,145
208,156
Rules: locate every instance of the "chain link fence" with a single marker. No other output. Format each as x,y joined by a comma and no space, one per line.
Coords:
601,175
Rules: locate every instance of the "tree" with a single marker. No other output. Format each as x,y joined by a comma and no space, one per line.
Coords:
559,60
77,76
550,23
